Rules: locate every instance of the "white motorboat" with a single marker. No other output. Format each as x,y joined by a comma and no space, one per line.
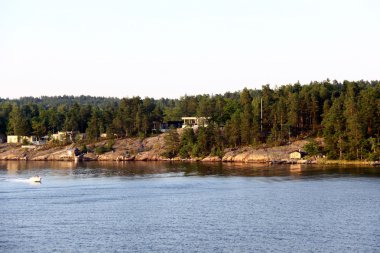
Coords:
35,179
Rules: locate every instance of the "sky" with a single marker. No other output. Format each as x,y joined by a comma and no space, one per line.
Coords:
172,48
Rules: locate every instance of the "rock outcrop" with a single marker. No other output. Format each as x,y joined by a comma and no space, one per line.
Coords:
147,149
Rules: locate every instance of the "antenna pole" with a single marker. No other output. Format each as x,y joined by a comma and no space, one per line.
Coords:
261,117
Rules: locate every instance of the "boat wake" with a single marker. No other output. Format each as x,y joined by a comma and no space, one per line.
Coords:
18,180
31,180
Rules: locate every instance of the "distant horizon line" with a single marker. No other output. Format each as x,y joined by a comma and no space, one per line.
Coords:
188,95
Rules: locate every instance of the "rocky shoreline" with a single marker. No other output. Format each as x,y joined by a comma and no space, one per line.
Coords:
150,149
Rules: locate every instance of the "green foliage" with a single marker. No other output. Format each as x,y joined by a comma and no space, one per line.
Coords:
93,129
187,142
346,114
217,151
19,121
334,132
25,142
102,149
201,147
373,156
246,122
110,143
84,149
185,151
232,130
313,148
171,144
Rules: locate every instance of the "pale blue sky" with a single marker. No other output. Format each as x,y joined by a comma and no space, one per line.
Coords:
169,48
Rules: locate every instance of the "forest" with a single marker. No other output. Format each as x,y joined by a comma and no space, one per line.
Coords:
345,114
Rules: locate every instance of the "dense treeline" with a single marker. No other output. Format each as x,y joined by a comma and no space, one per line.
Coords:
346,114
55,101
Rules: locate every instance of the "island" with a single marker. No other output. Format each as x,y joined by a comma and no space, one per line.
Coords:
320,122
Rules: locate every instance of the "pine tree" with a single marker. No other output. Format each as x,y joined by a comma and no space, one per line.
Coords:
354,126
232,130
18,122
172,143
334,129
93,131
246,117
187,142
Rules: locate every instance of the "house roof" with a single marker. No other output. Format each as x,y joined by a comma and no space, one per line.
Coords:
195,118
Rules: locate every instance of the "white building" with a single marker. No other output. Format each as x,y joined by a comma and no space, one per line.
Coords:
195,122
63,136
20,139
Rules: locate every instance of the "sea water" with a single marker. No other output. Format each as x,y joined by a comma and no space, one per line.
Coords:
179,207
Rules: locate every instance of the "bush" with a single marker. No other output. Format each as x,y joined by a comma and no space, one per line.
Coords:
184,151
83,149
110,143
373,157
312,148
172,144
102,149
216,151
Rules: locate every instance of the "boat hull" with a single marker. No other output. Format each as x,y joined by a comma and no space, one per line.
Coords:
35,179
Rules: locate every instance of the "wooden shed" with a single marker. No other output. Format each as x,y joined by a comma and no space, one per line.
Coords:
297,154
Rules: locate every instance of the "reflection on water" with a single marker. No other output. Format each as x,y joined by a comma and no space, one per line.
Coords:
188,207
144,169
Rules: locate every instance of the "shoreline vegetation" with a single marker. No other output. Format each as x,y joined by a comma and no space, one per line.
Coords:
151,148
326,122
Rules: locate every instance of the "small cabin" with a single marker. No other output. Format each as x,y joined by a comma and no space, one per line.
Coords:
68,136
298,154
62,136
20,139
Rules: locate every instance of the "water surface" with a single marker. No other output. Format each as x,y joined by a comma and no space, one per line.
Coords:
180,207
